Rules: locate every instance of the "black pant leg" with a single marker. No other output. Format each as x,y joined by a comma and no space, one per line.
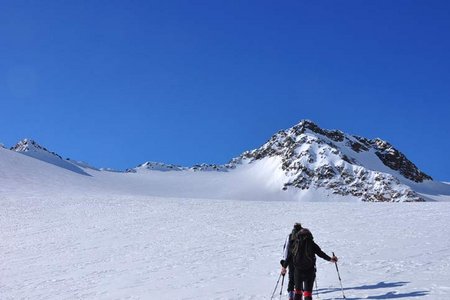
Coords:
298,280
304,281
308,283
291,278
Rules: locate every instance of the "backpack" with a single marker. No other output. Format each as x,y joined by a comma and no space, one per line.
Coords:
302,253
292,239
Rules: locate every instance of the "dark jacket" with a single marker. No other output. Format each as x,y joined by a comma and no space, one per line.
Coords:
315,249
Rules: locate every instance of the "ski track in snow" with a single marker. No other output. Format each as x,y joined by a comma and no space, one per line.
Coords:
122,247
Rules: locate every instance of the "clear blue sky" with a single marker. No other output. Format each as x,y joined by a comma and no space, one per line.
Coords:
117,83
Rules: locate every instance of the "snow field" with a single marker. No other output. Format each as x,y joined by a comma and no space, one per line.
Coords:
122,247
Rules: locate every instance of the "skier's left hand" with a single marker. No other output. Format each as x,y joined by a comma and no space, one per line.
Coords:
283,271
334,259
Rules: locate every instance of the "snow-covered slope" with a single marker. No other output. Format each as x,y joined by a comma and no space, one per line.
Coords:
119,247
304,162
23,177
31,148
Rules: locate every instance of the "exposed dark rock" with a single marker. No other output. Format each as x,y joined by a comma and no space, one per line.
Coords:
396,160
358,147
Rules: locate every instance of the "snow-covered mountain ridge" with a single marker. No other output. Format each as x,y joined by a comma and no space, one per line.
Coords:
306,132
30,146
157,166
372,170
302,162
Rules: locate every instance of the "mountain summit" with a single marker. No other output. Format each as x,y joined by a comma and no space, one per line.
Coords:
30,146
343,164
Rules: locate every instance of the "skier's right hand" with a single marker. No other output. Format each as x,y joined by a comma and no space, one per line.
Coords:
283,271
334,259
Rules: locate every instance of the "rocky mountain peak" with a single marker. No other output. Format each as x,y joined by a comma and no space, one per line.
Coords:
29,145
344,164
335,135
31,148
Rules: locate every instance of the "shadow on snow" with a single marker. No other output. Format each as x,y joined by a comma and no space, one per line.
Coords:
380,285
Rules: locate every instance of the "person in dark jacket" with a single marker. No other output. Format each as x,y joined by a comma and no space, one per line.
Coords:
288,245
303,257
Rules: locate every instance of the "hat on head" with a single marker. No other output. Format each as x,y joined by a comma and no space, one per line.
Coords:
298,226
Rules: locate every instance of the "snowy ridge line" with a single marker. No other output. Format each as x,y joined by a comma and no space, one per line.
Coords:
157,166
303,162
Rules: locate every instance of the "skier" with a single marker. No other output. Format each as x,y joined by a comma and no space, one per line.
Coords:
288,247
303,257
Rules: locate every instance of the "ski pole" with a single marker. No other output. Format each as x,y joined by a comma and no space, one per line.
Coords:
315,281
274,290
317,290
339,276
281,290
